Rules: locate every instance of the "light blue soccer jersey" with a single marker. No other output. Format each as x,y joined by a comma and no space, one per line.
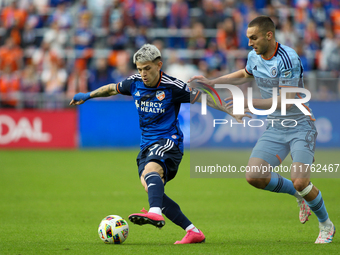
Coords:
283,69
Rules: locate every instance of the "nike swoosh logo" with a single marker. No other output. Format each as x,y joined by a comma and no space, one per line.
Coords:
151,184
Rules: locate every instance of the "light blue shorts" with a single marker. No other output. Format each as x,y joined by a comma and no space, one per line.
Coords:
275,143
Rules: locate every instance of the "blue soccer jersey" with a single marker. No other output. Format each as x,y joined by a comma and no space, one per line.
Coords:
283,69
158,107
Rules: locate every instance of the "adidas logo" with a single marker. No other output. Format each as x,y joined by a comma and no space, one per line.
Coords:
255,68
137,94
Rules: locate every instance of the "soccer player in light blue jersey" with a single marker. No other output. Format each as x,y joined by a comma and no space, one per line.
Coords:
158,98
274,65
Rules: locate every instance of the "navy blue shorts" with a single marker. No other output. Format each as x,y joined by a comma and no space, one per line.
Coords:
164,152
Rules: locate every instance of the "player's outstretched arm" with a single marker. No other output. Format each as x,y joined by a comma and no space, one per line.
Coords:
224,108
263,104
236,78
104,91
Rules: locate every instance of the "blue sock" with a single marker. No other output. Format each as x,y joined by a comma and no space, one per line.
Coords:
318,207
155,189
280,184
173,212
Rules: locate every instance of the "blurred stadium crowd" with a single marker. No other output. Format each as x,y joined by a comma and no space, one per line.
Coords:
52,49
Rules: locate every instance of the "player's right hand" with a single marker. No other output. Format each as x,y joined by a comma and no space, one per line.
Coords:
80,98
200,79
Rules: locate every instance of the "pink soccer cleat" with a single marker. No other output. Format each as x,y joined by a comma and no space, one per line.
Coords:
192,237
326,234
147,218
304,210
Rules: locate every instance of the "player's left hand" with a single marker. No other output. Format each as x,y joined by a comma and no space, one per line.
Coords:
200,79
238,117
80,98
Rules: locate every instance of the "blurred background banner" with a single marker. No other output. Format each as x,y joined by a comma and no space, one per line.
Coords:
106,123
38,129
115,124
227,133
51,50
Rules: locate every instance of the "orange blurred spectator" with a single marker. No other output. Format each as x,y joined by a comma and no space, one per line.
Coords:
336,21
9,86
11,54
77,81
226,35
11,13
14,32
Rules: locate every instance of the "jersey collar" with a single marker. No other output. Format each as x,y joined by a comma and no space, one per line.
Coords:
160,78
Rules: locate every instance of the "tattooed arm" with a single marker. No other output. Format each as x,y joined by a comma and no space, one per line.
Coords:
223,108
104,91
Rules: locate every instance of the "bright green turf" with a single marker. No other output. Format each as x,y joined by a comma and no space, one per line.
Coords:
51,202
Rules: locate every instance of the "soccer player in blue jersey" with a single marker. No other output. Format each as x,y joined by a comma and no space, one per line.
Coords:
158,98
274,65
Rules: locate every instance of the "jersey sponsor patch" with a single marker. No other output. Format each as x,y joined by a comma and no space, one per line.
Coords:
160,95
273,71
285,82
287,74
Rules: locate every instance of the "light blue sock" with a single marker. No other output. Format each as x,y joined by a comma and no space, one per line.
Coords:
280,184
318,207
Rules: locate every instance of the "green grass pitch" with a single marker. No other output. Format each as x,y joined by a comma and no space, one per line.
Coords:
51,202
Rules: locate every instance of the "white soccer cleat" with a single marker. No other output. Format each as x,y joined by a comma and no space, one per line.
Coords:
326,234
304,210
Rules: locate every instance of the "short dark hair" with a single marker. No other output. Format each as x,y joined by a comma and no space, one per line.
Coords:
264,23
156,60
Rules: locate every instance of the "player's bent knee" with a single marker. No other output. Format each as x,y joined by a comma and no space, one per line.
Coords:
256,182
300,184
153,167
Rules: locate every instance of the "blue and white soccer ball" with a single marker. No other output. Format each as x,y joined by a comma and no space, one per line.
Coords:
113,229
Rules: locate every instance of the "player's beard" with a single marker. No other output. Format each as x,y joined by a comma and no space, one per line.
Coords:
262,50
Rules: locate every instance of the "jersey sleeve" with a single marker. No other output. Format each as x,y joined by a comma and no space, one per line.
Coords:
185,94
124,87
248,67
290,72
